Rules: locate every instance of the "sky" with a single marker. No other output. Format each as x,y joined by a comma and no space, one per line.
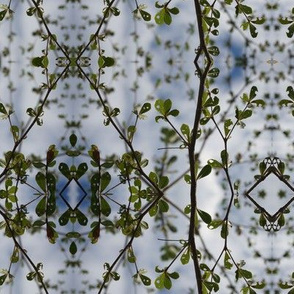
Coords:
74,104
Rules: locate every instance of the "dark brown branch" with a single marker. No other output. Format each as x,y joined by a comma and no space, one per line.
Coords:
192,145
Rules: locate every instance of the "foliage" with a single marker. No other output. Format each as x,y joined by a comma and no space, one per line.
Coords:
176,177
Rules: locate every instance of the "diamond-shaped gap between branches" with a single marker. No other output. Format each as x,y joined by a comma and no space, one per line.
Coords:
272,194
73,194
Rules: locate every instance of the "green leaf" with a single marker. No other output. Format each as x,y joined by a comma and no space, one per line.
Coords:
41,207
174,275
31,112
30,276
145,108
205,171
215,110
105,180
101,61
109,61
145,15
227,261
45,62
163,182
163,206
216,13
167,17
225,230
253,31
290,91
72,153
246,9
153,210
185,258
159,106
285,285
145,280
41,180
158,117
285,102
174,10
15,255
159,17
258,102
94,233
153,177
130,132
73,235
281,220
39,223
211,286
245,25
211,21
246,274
262,167
104,61
244,114
213,50
130,255
259,20
213,73
227,124
214,163
159,281
290,31
187,179
82,219
262,220
185,130
187,209
105,207
40,61
31,11
215,224
167,104
2,15
73,140
64,218
285,20
157,5
258,285
253,92
82,168
51,204
73,248
167,281
225,158
3,277
281,167
64,169
51,233
204,216
3,109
